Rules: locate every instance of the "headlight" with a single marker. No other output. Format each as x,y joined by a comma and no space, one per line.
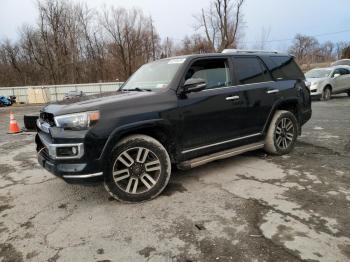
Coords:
77,121
314,85
308,84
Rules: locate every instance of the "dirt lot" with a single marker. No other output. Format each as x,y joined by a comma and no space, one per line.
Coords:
248,208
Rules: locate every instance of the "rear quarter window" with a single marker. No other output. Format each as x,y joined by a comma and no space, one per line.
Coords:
285,68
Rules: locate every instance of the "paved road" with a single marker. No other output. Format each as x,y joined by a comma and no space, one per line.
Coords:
252,207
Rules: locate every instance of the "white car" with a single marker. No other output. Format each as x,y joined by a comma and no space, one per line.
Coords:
323,82
341,62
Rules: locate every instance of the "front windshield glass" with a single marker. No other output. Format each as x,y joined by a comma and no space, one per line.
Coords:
318,73
154,75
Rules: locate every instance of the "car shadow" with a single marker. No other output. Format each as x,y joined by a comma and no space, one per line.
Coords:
334,98
177,184
340,97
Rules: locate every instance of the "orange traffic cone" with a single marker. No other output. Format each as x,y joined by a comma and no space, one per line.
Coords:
14,128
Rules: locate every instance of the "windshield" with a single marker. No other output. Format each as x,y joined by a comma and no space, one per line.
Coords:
318,73
154,75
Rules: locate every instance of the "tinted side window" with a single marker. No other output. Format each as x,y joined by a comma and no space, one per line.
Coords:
250,70
336,71
344,71
285,68
215,72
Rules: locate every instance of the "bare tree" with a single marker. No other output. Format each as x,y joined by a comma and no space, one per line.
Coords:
308,50
133,38
304,48
221,23
195,44
167,48
339,49
346,52
71,43
326,51
262,43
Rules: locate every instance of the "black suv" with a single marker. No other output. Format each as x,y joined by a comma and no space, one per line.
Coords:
183,111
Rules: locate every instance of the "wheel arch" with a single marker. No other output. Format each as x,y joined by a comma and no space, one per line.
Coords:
157,128
291,104
328,85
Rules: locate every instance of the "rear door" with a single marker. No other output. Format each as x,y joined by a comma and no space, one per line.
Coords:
344,79
258,89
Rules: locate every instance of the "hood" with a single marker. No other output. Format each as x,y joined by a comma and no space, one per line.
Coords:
316,80
91,102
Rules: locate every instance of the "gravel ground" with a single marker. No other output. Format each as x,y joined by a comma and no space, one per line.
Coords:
253,207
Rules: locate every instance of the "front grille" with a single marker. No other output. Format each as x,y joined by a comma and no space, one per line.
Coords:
48,118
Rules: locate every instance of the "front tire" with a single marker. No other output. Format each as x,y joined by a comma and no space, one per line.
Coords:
139,169
326,94
282,133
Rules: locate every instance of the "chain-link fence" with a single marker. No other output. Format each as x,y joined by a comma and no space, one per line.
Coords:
57,92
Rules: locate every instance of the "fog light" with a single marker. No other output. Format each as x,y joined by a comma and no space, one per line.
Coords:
67,151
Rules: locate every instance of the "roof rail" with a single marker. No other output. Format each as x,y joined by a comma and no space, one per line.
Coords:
239,51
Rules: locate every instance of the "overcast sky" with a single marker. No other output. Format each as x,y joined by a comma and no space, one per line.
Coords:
174,18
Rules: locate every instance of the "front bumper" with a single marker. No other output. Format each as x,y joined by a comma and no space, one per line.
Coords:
316,94
77,170
316,90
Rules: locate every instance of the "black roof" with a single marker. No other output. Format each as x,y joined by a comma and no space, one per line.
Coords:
228,54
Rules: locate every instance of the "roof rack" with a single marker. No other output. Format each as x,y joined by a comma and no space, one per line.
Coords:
239,51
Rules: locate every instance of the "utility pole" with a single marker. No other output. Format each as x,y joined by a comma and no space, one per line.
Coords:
153,40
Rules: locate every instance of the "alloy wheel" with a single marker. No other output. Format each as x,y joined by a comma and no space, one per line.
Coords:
284,134
327,94
136,170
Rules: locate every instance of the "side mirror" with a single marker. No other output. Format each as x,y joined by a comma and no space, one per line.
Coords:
336,75
194,85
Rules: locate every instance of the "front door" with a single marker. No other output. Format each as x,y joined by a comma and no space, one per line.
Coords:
338,81
214,114
343,80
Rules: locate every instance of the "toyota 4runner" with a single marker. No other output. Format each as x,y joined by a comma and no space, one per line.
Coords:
182,111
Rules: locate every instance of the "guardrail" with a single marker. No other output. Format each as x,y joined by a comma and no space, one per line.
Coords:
57,92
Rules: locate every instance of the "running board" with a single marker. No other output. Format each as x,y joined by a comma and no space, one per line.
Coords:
219,155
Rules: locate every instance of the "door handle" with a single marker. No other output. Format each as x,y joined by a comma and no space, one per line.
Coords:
230,98
273,91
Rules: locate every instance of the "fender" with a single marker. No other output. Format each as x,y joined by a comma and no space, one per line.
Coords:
131,128
327,84
276,105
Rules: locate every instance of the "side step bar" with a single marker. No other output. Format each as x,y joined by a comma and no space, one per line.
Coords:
219,155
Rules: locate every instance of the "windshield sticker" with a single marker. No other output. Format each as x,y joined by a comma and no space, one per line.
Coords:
177,61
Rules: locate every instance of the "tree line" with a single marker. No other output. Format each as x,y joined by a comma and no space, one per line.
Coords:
71,43
307,50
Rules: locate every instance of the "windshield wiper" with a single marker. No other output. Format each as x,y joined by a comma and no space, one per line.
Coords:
138,89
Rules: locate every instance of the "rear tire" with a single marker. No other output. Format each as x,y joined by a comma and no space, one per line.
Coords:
139,169
326,94
282,133
348,93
